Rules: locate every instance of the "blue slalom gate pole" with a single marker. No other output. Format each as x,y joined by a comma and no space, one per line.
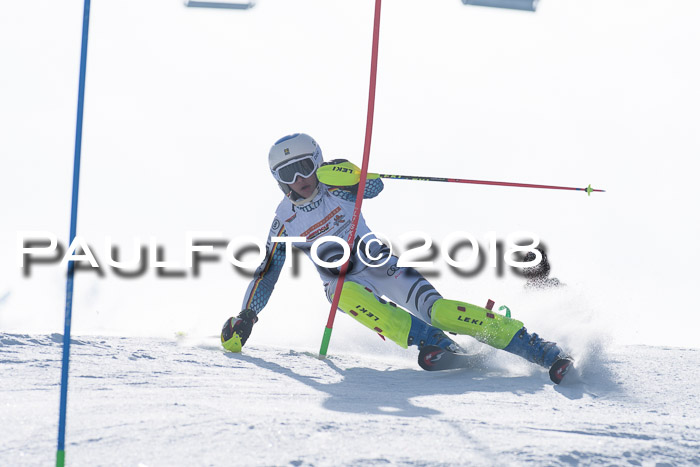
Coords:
61,451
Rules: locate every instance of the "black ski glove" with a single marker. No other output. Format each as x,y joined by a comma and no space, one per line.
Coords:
236,330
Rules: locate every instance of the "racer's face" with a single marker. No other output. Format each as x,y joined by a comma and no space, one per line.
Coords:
304,187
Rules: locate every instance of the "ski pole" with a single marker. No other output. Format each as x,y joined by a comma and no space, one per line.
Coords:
588,189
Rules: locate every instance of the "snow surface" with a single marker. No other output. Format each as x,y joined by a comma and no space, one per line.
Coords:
153,402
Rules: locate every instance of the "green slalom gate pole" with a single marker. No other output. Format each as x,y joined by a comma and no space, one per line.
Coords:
61,448
363,180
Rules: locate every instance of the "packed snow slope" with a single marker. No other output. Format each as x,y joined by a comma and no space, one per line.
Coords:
165,402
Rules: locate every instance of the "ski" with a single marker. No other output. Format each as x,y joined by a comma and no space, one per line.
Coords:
559,369
433,358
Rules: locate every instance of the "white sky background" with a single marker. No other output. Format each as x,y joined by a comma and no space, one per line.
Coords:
182,106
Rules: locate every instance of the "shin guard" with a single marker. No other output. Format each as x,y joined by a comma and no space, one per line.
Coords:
383,317
484,325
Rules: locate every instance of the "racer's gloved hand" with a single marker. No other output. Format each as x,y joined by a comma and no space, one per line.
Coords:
236,330
341,172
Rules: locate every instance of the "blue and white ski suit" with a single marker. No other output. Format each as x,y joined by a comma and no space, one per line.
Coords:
329,213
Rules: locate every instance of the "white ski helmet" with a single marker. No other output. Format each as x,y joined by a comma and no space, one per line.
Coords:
292,156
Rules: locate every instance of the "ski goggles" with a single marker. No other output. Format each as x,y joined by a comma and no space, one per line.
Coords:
288,172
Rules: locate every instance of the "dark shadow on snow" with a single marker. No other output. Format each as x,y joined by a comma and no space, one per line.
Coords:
389,392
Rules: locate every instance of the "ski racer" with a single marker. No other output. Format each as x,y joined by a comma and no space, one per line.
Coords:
318,201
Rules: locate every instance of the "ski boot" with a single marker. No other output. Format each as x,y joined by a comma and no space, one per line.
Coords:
437,351
422,334
544,353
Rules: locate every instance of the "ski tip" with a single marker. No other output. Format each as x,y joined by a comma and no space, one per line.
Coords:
560,368
433,358
429,357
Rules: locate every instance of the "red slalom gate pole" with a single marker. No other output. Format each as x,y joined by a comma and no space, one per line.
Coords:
363,180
